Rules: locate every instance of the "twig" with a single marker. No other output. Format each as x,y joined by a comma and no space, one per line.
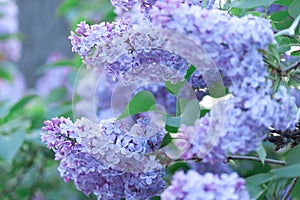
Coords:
289,68
270,161
287,194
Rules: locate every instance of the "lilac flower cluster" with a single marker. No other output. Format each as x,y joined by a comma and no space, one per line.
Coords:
126,55
104,159
146,5
252,108
296,93
119,147
113,152
86,37
205,187
10,48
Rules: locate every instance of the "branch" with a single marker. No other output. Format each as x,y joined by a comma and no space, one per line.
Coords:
289,68
251,158
287,194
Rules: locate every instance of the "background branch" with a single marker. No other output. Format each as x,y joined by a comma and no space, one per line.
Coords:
252,158
287,194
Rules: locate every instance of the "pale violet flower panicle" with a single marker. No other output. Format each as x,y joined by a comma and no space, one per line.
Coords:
252,106
205,187
296,93
107,159
10,47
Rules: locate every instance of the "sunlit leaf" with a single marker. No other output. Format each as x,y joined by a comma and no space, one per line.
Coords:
143,101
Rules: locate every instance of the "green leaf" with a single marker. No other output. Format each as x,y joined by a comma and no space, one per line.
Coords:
259,179
262,153
171,129
256,192
191,113
166,140
237,12
35,111
155,198
283,2
190,71
217,90
10,144
180,105
173,121
295,53
65,6
281,20
56,95
21,103
203,112
250,3
296,76
174,88
276,84
292,156
143,101
5,74
176,166
294,8
254,13
4,109
287,172
296,191
14,124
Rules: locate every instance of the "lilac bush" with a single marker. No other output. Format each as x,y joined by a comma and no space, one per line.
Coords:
121,157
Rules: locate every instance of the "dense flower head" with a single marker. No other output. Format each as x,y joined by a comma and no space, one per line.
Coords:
86,37
296,93
91,176
146,5
107,159
121,147
205,187
60,136
252,105
126,55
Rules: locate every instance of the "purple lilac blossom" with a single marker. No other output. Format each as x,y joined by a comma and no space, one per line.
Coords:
10,47
125,56
205,187
145,6
296,93
252,109
92,155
